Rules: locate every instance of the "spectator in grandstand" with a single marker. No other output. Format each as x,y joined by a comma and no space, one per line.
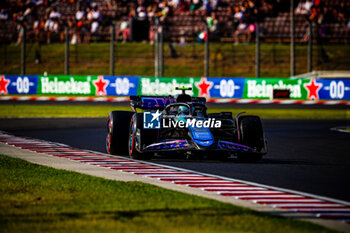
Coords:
301,8
124,30
251,12
112,5
55,15
215,4
174,3
182,6
314,13
85,4
153,10
94,17
307,5
342,11
238,16
326,16
3,15
139,21
80,14
264,8
141,10
52,24
38,29
242,31
207,6
53,19
30,15
21,24
245,17
212,22
195,5
72,30
319,18
164,10
82,28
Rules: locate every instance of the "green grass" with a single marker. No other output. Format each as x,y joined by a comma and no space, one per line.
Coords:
35,198
28,110
24,110
226,59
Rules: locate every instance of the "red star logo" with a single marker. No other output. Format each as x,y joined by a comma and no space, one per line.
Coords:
3,85
101,85
312,89
204,87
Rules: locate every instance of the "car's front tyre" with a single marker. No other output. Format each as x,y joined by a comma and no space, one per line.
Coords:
118,132
136,134
252,135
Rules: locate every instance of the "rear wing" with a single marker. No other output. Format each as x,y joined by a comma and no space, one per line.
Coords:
157,102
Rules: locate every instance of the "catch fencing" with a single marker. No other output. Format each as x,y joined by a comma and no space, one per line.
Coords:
165,57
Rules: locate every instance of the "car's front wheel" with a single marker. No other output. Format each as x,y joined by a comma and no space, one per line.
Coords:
118,132
252,135
136,134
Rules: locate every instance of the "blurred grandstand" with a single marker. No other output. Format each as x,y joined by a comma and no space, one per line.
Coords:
183,20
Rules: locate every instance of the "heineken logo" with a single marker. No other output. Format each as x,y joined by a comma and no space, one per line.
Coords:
71,86
164,87
262,89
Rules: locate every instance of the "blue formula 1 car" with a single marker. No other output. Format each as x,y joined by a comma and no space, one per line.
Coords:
181,124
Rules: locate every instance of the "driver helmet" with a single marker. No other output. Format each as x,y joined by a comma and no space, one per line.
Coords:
183,110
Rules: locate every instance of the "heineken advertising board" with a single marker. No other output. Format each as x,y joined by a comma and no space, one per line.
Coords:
262,88
121,85
249,88
18,85
165,86
333,89
88,85
202,87
237,88
301,89
227,87
66,85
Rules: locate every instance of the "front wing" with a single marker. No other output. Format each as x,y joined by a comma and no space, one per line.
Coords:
185,145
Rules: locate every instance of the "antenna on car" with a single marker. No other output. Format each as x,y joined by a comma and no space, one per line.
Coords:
183,89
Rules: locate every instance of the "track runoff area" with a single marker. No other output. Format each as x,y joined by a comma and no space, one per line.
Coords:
280,200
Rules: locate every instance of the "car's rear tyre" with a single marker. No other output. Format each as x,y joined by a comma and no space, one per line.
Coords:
252,135
118,132
135,143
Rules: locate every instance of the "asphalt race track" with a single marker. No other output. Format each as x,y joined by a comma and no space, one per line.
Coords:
304,155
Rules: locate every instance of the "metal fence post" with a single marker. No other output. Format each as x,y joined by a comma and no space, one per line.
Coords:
257,50
66,59
156,47
309,60
23,52
206,58
161,52
111,52
292,42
